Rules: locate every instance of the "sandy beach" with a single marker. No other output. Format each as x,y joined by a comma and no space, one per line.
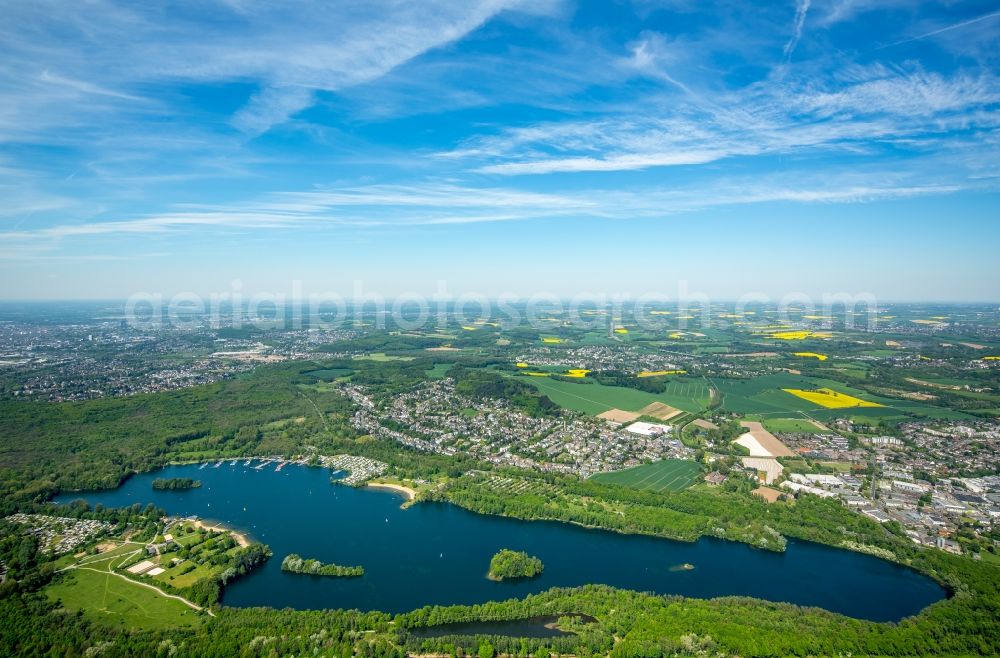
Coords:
408,492
240,538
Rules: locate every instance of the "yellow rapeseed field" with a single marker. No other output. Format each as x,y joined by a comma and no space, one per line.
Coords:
991,358
539,374
621,330
552,341
800,334
521,364
811,355
576,372
830,399
660,373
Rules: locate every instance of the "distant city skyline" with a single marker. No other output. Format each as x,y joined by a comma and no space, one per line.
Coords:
501,146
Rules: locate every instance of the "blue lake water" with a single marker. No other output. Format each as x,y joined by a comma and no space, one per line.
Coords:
435,553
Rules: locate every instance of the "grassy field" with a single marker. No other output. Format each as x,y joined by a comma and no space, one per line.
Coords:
795,425
329,374
106,598
666,475
439,370
593,398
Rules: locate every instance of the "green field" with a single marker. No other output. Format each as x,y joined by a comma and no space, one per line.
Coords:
381,357
764,396
666,475
109,599
329,374
594,398
795,425
439,370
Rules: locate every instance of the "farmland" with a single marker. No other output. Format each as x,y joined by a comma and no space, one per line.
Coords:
766,396
831,399
593,398
796,425
662,476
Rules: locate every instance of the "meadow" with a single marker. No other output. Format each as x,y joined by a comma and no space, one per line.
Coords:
106,598
668,475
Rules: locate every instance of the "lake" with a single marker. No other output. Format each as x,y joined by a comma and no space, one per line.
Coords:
437,553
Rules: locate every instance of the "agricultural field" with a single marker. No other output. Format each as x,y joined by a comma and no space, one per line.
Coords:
762,395
663,476
593,398
766,396
793,425
831,399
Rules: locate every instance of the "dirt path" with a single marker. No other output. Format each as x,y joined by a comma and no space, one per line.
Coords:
318,412
108,571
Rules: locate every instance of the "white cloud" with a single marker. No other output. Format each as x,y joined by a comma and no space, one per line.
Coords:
289,49
856,109
435,204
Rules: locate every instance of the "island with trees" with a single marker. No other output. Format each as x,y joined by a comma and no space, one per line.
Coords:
297,564
175,484
508,565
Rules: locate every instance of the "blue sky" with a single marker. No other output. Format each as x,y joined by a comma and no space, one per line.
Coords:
501,146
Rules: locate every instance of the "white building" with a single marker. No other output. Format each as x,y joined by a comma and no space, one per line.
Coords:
648,429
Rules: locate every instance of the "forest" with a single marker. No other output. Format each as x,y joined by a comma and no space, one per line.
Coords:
508,564
294,563
175,484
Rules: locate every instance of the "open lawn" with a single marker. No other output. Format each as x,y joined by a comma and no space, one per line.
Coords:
106,598
666,475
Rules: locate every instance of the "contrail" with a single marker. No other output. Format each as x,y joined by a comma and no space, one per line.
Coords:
801,7
943,29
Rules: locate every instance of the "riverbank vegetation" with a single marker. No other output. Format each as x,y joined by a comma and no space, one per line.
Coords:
297,564
510,565
175,484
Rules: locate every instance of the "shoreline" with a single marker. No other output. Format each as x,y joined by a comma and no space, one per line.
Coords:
240,537
409,493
